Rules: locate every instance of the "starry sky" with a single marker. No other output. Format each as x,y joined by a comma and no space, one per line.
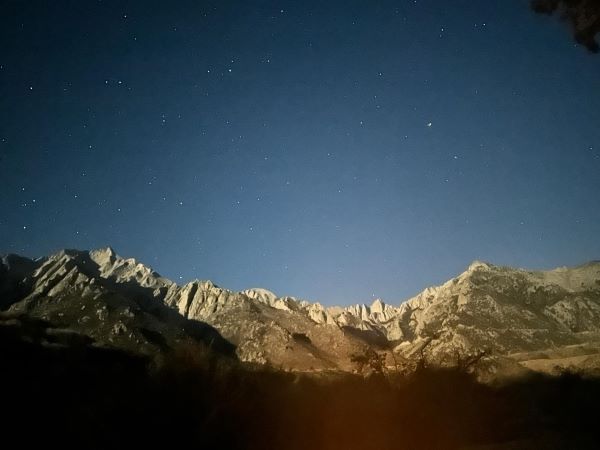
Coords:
331,150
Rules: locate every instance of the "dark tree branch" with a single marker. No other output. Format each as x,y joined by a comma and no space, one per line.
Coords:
582,15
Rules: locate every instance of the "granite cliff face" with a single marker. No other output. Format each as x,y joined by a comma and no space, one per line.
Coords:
114,301
534,320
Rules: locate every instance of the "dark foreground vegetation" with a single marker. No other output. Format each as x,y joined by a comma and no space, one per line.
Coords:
75,395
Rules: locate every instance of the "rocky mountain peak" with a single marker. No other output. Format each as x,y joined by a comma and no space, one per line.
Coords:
262,295
479,265
104,256
378,306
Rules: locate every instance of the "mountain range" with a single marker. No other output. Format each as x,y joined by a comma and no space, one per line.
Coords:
508,321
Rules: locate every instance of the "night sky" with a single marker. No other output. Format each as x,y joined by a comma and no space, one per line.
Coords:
330,150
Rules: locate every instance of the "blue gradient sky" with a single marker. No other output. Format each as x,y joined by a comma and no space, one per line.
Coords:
335,151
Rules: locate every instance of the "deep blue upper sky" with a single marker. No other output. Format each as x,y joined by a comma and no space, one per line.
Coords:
330,150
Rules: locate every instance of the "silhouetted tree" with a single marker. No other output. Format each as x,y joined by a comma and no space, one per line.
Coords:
582,15
466,362
369,359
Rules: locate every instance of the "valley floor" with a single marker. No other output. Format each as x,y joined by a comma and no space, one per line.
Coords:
74,394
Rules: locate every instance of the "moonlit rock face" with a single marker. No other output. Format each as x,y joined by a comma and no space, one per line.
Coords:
262,295
504,310
377,307
478,265
114,301
445,307
200,300
105,257
318,314
122,270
